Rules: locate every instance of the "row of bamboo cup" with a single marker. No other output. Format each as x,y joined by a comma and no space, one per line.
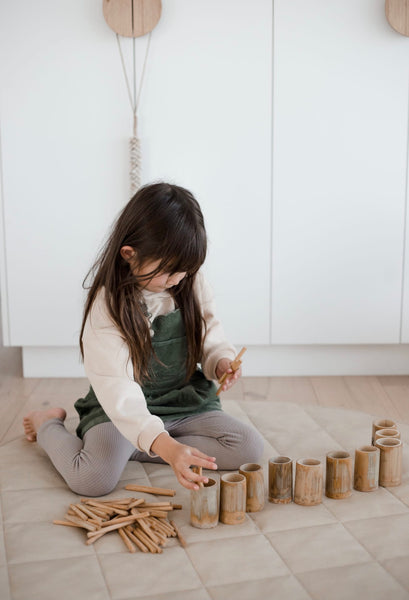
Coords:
376,464
144,525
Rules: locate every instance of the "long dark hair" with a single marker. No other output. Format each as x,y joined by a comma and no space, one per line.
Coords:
162,222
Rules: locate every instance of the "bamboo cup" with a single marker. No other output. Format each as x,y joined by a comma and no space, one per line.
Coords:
387,433
308,482
366,472
280,480
254,486
204,505
339,472
390,468
232,499
382,424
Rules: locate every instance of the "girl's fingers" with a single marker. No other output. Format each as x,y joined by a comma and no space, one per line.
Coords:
204,462
199,454
189,484
196,478
228,383
231,379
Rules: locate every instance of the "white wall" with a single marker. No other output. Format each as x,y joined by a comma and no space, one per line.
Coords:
205,123
289,121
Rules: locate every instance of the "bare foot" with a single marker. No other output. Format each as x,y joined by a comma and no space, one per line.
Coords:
34,419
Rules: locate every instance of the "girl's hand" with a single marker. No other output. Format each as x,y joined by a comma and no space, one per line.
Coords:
223,366
181,458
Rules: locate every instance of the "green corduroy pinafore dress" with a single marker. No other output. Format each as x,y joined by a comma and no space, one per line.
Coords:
167,394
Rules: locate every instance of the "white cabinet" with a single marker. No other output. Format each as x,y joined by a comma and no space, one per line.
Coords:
205,123
339,173
313,99
405,295
209,127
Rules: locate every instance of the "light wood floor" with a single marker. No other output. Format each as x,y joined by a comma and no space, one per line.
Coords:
379,396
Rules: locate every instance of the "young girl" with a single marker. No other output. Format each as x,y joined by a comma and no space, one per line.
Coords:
148,322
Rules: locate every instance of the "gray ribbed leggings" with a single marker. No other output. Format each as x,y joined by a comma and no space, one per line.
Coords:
93,466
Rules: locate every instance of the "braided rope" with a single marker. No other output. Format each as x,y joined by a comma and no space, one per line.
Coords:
135,154
135,164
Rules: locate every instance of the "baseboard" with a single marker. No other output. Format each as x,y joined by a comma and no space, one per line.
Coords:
270,361
259,361
55,361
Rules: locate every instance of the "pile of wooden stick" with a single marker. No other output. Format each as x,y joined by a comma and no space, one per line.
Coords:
139,523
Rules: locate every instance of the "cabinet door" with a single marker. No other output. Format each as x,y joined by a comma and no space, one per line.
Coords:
207,125
204,123
340,144
405,295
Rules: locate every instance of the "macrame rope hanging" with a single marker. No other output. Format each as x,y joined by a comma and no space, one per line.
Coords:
134,99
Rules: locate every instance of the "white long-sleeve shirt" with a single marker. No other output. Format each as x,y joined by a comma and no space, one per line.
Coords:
109,368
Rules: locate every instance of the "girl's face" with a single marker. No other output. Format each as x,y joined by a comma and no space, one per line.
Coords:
160,282
157,283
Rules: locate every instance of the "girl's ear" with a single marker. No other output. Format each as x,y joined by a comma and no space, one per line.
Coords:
127,252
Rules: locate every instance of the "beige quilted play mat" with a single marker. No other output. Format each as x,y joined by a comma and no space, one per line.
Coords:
341,549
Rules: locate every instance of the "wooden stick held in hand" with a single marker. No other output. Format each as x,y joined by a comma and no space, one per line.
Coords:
235,364
198,471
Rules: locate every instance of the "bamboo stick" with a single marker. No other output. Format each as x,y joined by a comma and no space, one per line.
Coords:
81,523
150,490
90,513
135,539
168,526
136,502
122,501
131,547
157,526
237,361
158,513
235,364
162,538
127,519
198,471
179,535
139,523
104,530
78,512
101,507
102,514
144,524
93,539
67,523
161,505
118,511
140,514
145,539
118,505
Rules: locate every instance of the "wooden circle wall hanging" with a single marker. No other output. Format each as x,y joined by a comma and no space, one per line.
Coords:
397,13
132,19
